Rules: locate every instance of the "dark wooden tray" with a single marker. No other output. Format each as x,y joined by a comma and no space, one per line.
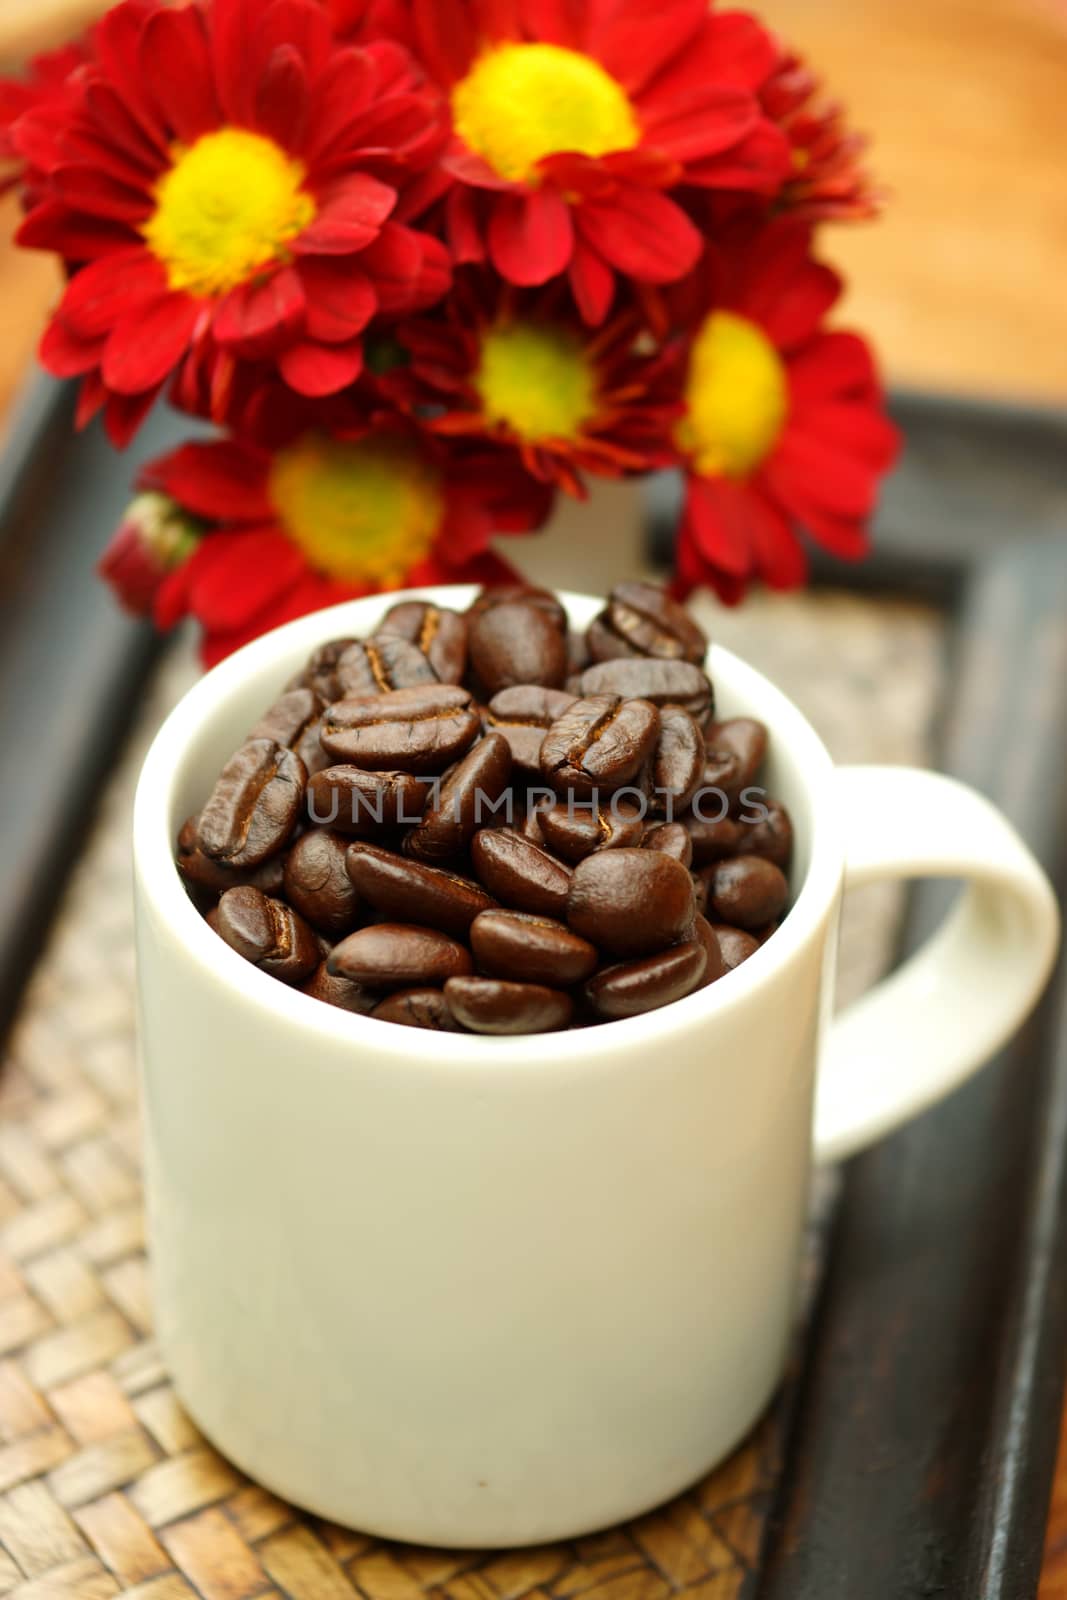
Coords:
925,1417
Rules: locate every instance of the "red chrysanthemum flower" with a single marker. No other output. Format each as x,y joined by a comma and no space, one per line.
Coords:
234,182
326,519
521,368
570,124
784,425
828,180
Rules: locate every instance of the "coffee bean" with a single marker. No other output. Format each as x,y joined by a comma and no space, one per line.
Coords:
664,683
381,665
212,877
520,874
523,716
712,841
318,886
340,992
489,1005
362,803
320,672
524,594
599,744
268,933
735,754
630,902
515,945
672,839
634,987
771,837
736,945
422,729
464,802
409,891
395,955
440,634
309,748
700,893
289,718
643,620
254,805
677,762
517,644
418,1008
715,961
747,892
574,828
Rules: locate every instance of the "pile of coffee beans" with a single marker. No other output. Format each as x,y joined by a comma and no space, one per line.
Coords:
487,822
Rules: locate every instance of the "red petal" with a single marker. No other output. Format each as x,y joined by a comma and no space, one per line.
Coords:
805,471
340,302
446,38
463,227
592,282
643,234
144,349
176,61
66,356
719,515
222,480
318,369
124,413
857,430
349,219
297,24
281,99
51,226
833,364
263,314
109,289
341,93
393,263
702,124
760,163
637,39
234,23
531,236
115,123
557,21
87,190
791,312
232,576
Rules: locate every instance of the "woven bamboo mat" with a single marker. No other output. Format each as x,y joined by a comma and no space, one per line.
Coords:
106,1487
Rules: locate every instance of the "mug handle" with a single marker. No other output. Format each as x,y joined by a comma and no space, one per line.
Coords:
948,1008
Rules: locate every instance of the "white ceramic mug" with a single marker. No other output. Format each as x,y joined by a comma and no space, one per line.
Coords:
481,1291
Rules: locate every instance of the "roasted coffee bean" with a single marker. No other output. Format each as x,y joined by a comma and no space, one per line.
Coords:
574,828
747,892
340,992
677,762
289,718
643,620
672,839
489,1005
735,754
381,665
665,683
309,748
715,966
523,594
396,955
600,743
254,805
440,634
423,729
523,716
409,891
464,803
317,884
418,1008
736,945
712,840
211,877
516,644
630,902
633,987
771,837
268,933
515,945
520,874
320,673
362,803
700,893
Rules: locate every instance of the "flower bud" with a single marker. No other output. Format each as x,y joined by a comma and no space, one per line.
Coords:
155,536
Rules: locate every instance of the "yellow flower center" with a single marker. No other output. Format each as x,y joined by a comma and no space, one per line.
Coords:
521,102
362,512
536,380
228,206
736,397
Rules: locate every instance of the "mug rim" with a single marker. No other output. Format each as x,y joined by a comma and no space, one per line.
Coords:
158,880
